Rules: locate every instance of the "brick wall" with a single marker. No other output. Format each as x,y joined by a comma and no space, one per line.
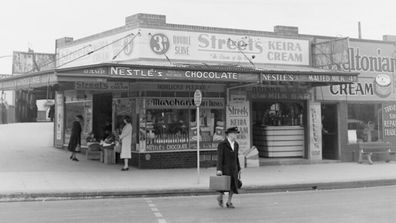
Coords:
166,160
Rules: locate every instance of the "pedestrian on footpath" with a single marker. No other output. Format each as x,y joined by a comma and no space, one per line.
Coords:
75,138
126,141
228,164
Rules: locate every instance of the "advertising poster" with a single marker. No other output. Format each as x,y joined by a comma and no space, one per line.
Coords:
238,115
389,122
315,131
183,45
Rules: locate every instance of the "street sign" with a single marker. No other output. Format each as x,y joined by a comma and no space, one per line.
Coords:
197,97
197,102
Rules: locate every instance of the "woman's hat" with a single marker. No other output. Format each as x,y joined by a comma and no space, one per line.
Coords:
232,130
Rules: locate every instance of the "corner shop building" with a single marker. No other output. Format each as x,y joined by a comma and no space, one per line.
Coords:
262,82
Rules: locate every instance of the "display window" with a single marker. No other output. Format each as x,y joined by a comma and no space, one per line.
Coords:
212,125
364,123
278,113
176,129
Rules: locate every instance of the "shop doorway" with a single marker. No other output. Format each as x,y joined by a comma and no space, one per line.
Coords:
102,114
279,129
329,132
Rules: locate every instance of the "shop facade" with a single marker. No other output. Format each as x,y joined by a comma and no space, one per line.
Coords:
364,111
262,82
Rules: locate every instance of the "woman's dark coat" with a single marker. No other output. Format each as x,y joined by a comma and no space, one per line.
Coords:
228,162
75,138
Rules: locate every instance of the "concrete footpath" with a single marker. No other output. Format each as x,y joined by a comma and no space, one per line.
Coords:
31,169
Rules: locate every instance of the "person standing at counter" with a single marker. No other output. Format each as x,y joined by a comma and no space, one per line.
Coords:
75,138
228,163
126,141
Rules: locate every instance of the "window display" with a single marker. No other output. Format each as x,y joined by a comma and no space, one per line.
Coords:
212,126
364,123
176,129
278,114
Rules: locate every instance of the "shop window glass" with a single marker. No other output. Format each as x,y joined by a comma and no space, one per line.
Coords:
364,123
165,126
278,114
212,126
176,129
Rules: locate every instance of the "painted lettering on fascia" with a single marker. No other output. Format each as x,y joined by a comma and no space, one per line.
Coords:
368,63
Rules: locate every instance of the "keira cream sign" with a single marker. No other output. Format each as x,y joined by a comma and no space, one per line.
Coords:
179,46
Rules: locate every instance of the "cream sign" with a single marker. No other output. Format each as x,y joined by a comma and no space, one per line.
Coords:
376,81
178,46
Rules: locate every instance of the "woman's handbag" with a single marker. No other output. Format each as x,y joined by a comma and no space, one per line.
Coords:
239,184
239,181
117,147
78,149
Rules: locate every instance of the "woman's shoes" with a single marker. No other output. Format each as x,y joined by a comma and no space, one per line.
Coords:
230,205
220,201
125,169
75,159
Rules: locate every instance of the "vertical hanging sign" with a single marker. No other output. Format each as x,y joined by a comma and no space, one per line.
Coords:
315,131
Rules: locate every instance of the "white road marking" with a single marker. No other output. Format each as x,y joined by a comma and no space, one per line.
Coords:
155,211
158,215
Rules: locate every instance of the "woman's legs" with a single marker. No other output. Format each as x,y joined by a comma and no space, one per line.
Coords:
220,199
230,197
73,156
125,163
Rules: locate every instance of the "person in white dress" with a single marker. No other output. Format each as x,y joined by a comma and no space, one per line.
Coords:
126,141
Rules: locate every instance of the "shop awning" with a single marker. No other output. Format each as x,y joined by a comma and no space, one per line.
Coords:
28,81
180,72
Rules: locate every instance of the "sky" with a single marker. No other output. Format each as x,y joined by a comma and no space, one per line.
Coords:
37,24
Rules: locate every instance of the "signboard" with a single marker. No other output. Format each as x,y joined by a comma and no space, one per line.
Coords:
376,64
26,62
106,86
179,46
197,97
238,115
331,53
201,75
315,131
389,122
180,103
323,78
279,92
177,87
131,72
365,89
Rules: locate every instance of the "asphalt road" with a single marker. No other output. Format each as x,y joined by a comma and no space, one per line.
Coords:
377,204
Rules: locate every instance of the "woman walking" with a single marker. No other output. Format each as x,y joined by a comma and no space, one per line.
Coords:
228,164
126,141
75,138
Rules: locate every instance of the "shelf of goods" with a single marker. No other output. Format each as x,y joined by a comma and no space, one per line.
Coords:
279,141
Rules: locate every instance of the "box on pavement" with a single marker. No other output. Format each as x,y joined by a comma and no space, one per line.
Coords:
220,183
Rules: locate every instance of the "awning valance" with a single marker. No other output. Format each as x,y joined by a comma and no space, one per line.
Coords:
193,72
